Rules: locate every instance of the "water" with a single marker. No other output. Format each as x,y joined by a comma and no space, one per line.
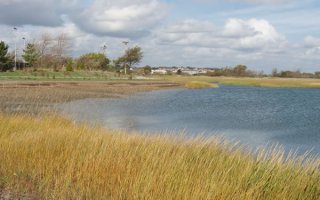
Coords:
253,116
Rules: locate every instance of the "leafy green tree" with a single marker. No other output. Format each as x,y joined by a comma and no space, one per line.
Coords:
131,57
69,67
93,61
240,70
3,55
31,55
147,70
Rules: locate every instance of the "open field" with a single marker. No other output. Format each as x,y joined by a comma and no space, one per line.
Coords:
256,82
53,158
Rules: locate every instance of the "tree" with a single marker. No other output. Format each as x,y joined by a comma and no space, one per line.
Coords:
131,57
240,70
44,45
147,70
61,46
93,61
31,54
3,55
59,51
53,50
69,67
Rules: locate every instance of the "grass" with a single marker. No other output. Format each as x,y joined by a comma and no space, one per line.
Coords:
35,96
256,82
53,158
49,75
46,75
200,85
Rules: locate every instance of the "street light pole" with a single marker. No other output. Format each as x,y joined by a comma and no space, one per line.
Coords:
15,49
125,65
24,46
104,48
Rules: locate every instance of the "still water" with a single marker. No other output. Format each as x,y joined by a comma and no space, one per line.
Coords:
253,116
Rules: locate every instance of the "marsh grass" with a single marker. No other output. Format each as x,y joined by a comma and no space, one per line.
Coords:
200,85
54,158
37,96
256,82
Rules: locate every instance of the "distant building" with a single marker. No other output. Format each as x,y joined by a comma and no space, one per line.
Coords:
184,70
159,71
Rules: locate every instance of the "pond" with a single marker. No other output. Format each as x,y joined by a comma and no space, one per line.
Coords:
254,116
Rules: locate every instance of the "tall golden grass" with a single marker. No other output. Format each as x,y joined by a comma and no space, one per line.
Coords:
257,82
200,85
54,158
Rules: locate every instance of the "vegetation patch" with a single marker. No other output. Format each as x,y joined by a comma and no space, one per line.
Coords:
247,81
53,158
200,85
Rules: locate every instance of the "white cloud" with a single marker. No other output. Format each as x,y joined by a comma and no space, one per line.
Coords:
311,41
121,18
238,28
256,34
237,34
313,52
254,42
312,45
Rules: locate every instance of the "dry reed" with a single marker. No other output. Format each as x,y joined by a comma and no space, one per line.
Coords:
53,158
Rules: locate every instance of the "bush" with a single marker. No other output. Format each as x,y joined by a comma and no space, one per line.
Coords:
69,67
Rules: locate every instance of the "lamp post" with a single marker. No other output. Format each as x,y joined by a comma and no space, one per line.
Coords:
15,49
104,48
24,46
125,65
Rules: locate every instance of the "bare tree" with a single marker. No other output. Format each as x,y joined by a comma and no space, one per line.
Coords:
60,50
44,46
53,50
62,45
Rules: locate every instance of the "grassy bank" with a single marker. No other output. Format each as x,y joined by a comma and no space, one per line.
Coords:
200,85
49,75
53,158
35,96
84,76
256,82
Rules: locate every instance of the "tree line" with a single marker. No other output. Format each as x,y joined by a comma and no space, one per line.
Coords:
52,53
244,71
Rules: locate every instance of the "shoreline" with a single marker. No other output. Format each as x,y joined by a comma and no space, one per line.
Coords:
32,97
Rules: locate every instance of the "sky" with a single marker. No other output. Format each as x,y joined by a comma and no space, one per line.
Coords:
262,34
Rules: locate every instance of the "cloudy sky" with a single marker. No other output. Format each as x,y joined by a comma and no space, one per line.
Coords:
262,34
